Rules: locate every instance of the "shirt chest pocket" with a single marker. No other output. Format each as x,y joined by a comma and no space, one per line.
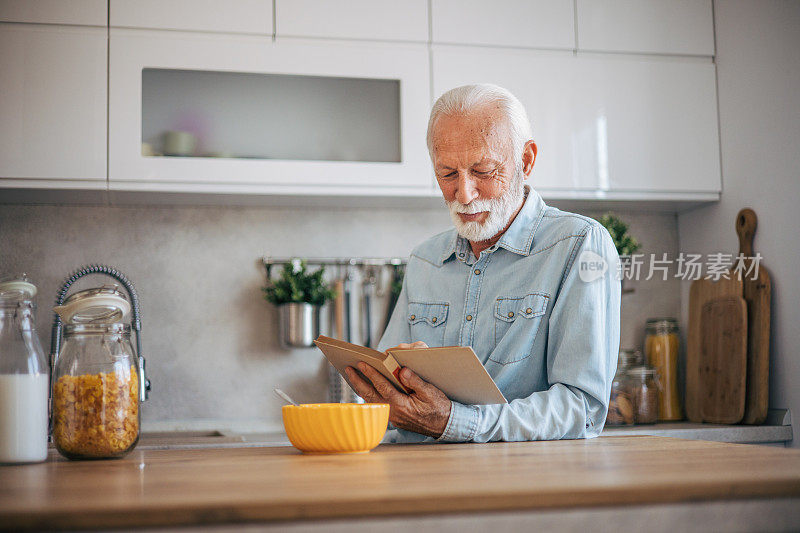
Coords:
516,323
427,320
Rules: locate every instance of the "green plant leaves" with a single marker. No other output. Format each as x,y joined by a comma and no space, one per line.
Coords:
625,243
298,286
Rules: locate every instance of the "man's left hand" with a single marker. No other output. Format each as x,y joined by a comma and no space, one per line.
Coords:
425,410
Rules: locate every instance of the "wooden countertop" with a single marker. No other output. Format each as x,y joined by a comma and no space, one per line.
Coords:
175,487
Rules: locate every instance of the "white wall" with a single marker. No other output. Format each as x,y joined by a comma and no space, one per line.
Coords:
758,70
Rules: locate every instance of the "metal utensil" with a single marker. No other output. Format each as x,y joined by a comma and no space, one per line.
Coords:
368,294
283,396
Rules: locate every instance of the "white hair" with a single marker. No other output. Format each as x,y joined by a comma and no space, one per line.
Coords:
466,98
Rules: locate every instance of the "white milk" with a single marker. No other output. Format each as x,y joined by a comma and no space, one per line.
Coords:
23,418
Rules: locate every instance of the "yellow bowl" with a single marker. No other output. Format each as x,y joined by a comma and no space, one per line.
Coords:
335,427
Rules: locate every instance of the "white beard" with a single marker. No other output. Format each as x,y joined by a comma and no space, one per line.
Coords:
500,212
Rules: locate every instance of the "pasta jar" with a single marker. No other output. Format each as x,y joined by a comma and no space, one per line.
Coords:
661,348
644,391
620,407
95,379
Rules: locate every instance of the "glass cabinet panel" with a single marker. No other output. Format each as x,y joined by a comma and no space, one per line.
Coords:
269,116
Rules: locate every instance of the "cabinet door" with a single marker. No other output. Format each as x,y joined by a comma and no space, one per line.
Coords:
81,12
647,124
384,20
53,104
604,123
137,54
646,26
544,82
229,16
523,23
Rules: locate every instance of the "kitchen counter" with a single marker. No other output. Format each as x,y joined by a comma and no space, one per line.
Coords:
266,484
776,431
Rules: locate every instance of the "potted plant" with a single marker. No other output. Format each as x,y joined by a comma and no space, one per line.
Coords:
299,295
624,242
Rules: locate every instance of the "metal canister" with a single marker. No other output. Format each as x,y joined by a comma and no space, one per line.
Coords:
299,324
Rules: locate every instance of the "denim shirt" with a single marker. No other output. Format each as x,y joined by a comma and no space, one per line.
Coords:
538,310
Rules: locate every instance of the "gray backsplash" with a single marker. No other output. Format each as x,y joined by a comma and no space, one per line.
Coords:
209,339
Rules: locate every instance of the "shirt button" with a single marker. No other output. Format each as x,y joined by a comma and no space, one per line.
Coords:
412,317
469,317
477,271
511,314
529,310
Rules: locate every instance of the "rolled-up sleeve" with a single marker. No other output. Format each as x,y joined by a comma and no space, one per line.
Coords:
581,356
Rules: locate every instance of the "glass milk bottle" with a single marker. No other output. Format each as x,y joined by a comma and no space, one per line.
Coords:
24,376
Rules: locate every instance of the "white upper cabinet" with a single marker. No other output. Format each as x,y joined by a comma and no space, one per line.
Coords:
543,81
80,12
647,124
520,23
385,20
53,103
646,26
225,16
604,125
266,117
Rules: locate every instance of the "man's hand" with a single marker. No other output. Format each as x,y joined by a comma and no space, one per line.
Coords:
425,410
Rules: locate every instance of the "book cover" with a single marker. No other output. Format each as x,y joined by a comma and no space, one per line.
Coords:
455,370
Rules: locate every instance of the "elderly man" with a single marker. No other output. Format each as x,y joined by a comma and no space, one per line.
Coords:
531,288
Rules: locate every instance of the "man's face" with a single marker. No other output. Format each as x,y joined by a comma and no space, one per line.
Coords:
474,166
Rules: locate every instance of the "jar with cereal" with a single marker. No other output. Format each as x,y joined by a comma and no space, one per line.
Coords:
95,380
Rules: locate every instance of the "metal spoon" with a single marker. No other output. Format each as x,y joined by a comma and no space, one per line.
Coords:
284,396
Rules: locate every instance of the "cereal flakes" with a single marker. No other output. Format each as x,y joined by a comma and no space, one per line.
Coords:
96,415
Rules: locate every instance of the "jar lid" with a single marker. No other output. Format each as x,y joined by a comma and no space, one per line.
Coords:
629,358
16,288
642,371
661,322
100,305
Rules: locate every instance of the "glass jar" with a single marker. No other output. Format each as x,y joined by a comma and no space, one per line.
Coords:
620,408
24,375
644,391
95,379
661,348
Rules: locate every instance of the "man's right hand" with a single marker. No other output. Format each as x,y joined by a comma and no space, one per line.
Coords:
408,346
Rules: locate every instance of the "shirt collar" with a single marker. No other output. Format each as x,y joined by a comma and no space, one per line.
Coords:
518,238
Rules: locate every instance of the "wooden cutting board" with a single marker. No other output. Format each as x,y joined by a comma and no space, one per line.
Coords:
702,292
757,293
722,370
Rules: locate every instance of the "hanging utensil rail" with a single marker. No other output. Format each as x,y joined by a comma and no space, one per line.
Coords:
341,261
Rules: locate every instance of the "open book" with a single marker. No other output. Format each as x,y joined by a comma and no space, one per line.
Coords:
455,370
